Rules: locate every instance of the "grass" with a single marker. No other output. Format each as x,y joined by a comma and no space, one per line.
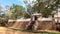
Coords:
32,31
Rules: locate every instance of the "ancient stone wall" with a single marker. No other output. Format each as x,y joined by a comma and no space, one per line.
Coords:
21,25
44,25
57,26
39,25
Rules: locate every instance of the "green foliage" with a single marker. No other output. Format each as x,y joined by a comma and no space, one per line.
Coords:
3,22
46,8
17,11
26,15
39,6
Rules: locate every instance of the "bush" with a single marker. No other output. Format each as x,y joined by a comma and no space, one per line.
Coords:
3,22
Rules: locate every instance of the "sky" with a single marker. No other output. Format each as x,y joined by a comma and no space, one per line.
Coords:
3,3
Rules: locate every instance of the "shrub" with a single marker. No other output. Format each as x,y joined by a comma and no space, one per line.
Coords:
3,22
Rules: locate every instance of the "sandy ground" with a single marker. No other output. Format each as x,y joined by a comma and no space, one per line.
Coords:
4,30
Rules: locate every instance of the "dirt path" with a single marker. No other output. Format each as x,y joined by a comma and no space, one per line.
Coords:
4,30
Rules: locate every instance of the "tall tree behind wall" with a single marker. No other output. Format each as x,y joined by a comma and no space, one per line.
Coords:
45,7
17,11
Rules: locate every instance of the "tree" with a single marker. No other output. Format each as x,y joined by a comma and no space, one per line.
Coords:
7,11
17,11
46,8
3,22
1,12
29,9
26,15
39,6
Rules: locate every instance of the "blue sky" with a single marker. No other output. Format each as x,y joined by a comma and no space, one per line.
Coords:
3,3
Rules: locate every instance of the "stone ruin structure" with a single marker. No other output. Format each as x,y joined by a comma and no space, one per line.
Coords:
57,21
36,23
19,24
43,23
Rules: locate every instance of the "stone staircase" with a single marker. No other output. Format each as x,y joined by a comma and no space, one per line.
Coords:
30,25
35,26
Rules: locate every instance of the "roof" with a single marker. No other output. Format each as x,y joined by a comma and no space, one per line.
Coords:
45,19
57,15
36,14
10,20
57,20
23,19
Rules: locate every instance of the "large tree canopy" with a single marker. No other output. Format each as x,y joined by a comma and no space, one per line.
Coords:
46,7
17,11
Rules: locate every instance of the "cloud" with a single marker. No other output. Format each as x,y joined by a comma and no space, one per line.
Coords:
30,1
